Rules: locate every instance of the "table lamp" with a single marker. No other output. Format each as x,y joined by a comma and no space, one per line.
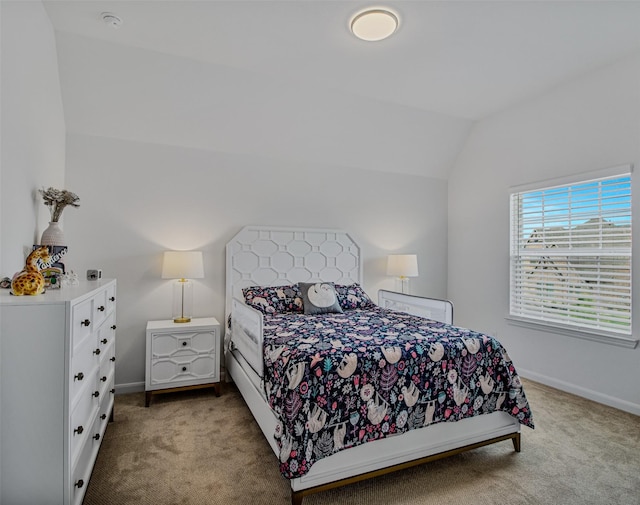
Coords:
403,266
182,265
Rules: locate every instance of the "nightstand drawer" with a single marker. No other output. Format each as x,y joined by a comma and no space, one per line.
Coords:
176,371
180,343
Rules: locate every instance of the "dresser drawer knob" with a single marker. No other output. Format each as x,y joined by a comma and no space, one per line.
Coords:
78,430
86,322
96,436
103,416
78,376
184,368
184,344
103,378
113,358
95,394
96,352
101,308
104,341
112,299
112,391
113,327
79,484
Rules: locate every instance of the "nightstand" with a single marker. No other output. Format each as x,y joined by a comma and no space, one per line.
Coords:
182,356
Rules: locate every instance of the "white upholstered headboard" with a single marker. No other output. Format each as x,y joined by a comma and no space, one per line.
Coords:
268,256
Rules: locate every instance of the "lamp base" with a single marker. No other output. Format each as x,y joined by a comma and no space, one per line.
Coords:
182,301
402,285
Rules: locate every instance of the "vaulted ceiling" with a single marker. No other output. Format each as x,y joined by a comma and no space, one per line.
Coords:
287,79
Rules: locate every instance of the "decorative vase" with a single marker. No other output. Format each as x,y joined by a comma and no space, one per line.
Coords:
53,235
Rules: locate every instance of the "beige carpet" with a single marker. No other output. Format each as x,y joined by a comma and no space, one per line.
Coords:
193,448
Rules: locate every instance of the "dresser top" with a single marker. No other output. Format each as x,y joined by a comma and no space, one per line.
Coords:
62,295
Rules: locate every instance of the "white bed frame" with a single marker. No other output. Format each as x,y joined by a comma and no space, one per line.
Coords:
278,256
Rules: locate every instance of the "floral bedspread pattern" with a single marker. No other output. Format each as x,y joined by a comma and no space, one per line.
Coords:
340,380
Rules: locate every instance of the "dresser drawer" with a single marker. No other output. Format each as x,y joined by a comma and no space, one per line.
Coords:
82,415
107,399
81,472
82,321
111,298
182,343
107,332
107,362
100,307
84,362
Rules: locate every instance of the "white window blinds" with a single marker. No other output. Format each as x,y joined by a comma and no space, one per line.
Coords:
571,254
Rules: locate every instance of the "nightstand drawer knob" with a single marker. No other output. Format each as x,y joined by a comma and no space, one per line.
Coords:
184,368
103,416
95,394
96,436
184,344
112,391
86,322
79,484
103,378
113,327
101,308
113,358
78,376
112,299
104,341
96,352
78,430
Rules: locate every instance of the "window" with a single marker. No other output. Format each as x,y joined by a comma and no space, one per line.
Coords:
571,255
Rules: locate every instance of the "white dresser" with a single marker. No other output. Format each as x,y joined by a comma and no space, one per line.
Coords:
57,367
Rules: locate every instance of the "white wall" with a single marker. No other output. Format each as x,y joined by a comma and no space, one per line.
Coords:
32,133
587,124
140,199
33,128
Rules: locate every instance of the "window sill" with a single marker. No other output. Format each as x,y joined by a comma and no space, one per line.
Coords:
603,337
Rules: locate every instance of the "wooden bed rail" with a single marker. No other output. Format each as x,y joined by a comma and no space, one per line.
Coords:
297,496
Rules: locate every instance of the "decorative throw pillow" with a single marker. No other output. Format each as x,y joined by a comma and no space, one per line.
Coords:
273,299
291,297
263,299
353,297
319,297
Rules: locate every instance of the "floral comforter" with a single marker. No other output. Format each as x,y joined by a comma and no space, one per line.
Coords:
340,380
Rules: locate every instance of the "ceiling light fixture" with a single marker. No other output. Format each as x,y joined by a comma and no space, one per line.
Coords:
110,19
374,24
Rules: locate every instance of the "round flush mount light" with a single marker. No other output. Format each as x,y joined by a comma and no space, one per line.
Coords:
110,19
374,24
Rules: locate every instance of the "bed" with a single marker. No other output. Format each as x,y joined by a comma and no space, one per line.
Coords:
358,389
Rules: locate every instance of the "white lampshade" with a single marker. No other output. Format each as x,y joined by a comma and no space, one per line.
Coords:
182,265
402,265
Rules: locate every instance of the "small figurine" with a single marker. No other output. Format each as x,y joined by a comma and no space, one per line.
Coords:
30,281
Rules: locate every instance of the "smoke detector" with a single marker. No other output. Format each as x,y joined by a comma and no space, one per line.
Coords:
110,19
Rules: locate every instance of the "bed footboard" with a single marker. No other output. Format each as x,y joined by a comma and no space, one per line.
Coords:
430,308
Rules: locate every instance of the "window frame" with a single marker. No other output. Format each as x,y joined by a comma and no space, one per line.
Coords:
621,338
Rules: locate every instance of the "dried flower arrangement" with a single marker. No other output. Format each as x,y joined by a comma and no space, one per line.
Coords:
57,200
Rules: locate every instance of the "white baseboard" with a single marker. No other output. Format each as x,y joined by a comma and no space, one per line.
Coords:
609,400
132,387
